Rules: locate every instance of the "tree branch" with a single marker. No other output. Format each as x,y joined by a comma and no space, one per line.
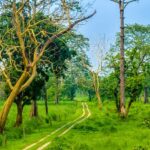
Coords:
116,1
127,3
28,82
19,33
7,79
50,40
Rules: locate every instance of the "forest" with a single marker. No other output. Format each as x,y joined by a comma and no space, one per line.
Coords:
52,95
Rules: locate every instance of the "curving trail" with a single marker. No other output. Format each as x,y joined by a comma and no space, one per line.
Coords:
63,129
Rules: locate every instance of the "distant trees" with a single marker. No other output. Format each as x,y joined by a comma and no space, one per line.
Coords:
76,77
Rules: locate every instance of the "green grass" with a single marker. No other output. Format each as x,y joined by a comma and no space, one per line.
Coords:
104,130
36,128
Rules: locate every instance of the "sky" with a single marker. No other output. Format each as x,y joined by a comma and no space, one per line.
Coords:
106,21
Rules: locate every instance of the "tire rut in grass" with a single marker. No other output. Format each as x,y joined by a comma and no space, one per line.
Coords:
45,141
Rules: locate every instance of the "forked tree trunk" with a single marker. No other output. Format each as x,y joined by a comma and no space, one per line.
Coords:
34,109
19,113
122,80
6,108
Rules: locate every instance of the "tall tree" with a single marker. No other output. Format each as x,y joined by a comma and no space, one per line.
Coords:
122,5
23,27
137,54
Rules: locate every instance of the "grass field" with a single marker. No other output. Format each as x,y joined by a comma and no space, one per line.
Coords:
102,131
106,131
32,129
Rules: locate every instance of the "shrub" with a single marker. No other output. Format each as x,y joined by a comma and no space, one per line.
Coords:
3,140
15,133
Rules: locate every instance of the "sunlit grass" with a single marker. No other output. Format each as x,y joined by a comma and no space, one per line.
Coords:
36,128
106,131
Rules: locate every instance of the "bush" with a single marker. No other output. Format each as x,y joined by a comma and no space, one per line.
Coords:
15,133
48,120
32,124
146,123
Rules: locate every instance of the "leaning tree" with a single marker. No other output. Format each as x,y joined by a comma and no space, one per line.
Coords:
25,42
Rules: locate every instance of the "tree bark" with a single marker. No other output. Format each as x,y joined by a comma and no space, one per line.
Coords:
122,80
97,89
129,105
116,98
19,113
34,109
99,99
6,108
145,94
46,100
57,91
89,95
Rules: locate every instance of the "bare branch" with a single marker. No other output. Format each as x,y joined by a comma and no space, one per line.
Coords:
50,40
67,11
19,34
116,1
8,81
127,3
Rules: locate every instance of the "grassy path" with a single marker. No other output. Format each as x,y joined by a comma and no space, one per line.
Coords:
41,144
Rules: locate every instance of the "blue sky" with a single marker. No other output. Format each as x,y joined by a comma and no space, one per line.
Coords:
106,21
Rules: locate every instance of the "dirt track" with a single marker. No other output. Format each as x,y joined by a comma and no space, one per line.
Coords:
62,130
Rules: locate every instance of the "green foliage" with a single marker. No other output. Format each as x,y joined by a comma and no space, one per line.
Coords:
137,56
78,79
15,133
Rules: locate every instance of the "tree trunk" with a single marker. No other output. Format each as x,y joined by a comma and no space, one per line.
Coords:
34,109
19,113
99,99
97,87
6,108
129,105
116,99
122,80
89,95
145,95
46,100
57,91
